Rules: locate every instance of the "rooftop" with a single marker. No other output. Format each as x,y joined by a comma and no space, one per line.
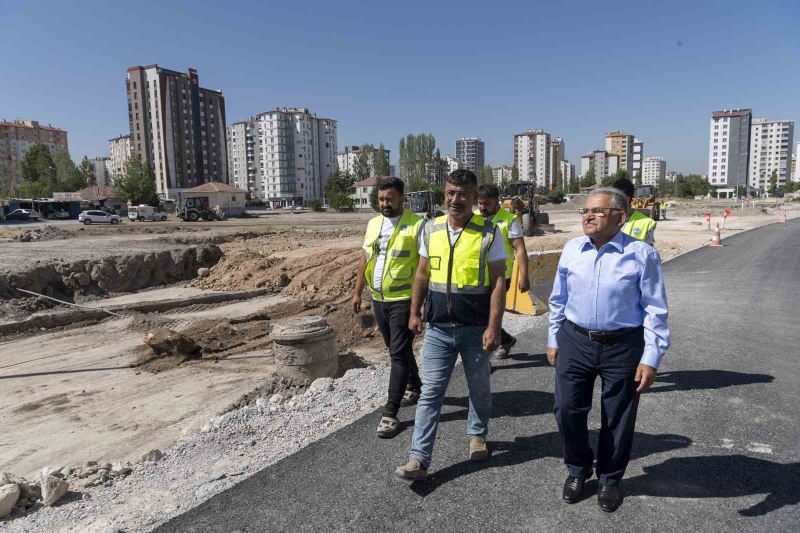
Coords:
215,186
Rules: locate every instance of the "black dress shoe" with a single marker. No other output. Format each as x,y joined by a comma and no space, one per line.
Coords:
573,488
609,497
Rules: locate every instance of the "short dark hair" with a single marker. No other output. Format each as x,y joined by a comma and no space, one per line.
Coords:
488,190
391,182
625,185
462,177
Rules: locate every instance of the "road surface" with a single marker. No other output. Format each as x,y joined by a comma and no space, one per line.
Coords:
716,448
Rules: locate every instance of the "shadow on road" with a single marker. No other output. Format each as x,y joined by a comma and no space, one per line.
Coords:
725,476
526,361
524,449
681,380
513,403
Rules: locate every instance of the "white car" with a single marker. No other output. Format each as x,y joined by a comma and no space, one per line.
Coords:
98,217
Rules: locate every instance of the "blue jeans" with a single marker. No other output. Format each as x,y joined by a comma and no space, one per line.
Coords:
439,352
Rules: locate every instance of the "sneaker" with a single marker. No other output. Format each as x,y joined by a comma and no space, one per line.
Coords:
505,349
388,427
411,471
478,451
409,398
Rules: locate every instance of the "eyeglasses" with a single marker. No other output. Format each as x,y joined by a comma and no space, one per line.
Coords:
598,211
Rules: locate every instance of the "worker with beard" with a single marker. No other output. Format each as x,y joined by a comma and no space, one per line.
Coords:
388,267
510,228
461,280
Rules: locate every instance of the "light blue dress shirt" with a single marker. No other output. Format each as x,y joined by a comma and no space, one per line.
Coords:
618,286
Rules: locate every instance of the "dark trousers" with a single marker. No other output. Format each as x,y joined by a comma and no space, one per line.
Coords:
392,318
580,360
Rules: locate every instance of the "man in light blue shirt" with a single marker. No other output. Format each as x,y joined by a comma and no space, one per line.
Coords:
608,318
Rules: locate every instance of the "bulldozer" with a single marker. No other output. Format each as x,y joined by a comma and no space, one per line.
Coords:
423,204
644,201
519,197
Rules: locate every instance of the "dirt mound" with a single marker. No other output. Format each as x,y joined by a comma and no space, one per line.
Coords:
44,233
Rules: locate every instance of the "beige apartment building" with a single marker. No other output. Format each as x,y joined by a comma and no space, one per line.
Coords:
177,126
119,152
621,144
16,138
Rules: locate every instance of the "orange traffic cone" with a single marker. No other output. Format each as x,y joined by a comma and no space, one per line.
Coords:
716,240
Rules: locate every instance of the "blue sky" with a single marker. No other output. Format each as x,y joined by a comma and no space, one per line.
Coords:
454,69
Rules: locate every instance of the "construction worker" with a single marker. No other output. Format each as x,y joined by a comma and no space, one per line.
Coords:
388,267
461,280
638,225
511,229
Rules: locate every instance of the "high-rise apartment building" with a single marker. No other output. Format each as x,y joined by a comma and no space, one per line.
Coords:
729,147
654,170
471,152
101,172
557,155
621,144
502,173
243,163
119,152
346,160
293,154
16,138
567,173
638,158
177,126
796,169
532,155
603,163
770,150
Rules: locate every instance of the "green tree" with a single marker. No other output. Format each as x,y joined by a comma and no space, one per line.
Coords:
417,157
608,180
361,164
373,199
692,185
638,179
620,173
138,184
589,178
773,182
39,170
339,190
69,177
382,162
485,175
514,173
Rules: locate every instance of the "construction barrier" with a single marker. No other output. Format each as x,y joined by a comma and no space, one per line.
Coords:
542,268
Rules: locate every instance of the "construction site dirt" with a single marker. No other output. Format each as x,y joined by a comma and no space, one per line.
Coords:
93,391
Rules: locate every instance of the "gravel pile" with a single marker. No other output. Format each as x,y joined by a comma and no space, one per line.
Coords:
228,449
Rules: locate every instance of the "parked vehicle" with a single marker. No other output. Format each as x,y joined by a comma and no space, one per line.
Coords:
145,212
60,214
23,214
98,217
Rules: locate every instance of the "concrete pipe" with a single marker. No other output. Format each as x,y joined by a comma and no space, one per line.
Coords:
305,347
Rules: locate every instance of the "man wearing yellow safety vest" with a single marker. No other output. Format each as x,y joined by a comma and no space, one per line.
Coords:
638,226
388,267
511,229
460,279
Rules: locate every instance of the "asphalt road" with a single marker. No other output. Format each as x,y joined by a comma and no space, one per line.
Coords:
717,446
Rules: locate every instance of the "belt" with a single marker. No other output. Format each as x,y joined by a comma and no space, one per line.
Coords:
602,336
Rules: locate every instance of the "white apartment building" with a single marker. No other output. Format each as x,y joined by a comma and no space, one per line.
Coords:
532,157
502,173
243,165
101,172
729,147
346,160
638,157
770,150
672,175
654,170
362,191
567,172
796,173
119,152
453,164
603,163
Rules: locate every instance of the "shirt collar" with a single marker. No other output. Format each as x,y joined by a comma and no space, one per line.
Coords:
617,241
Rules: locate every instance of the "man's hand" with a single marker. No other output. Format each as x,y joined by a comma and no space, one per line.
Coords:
645,376
552,355
491,339
356,301
415,324
524,284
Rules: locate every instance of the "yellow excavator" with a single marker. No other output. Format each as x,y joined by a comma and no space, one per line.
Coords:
644,201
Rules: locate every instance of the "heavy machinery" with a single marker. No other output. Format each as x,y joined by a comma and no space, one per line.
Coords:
519,197
644,201
193,209
423,203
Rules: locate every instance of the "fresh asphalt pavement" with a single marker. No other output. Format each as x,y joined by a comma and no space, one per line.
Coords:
717,446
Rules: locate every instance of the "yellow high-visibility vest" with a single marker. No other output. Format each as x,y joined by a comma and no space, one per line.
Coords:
639,226
503,220
402,257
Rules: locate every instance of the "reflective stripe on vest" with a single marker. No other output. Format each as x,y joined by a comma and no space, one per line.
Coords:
402,257
638,226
